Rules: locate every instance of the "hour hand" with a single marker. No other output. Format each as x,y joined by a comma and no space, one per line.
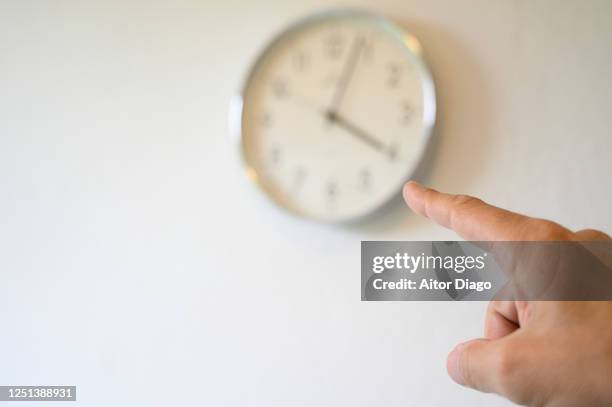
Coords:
357,132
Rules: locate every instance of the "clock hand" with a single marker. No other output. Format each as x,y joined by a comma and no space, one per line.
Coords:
358,133
347,73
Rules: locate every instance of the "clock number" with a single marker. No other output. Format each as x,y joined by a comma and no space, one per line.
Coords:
331,190
334,45
395,74
365,178
392,152
407,113
264,120
275,156
280,89
298,177
367,50
301,61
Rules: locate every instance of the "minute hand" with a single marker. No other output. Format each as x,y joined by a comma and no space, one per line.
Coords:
347,72
358,132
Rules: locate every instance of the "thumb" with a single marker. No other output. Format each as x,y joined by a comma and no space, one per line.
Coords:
486,365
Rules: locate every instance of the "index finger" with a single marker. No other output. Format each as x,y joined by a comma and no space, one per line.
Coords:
470,217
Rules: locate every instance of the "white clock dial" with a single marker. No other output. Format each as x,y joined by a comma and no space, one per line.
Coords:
335,115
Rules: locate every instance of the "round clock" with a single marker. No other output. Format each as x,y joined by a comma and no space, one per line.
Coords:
335,115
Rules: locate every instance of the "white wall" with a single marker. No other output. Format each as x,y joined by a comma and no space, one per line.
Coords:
137,262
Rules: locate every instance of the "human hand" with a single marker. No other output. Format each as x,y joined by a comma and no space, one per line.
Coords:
536,353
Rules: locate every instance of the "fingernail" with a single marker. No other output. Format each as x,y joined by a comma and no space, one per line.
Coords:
453,364
414,184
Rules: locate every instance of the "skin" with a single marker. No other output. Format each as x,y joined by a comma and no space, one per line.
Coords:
535,353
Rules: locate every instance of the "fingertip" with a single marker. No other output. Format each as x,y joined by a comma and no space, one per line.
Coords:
412,184
411,193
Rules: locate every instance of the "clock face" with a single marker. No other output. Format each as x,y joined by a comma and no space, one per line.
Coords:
335,115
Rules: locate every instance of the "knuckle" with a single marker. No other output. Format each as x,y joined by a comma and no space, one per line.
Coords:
497,305
508,375
491,307
548,230
459,205
506,365
464,200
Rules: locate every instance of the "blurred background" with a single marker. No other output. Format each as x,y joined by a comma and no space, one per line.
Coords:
139,264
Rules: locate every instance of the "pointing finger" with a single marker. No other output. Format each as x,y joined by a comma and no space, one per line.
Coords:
476,220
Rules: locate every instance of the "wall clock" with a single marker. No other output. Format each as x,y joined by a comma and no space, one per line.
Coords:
335,115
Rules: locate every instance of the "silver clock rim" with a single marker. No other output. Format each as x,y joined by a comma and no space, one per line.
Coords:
411,43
